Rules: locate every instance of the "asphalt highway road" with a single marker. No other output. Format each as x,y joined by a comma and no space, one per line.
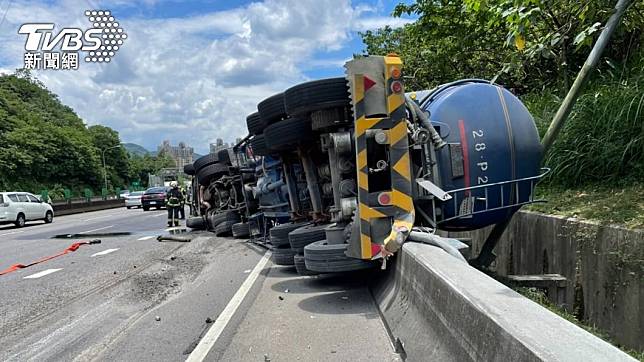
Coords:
134,298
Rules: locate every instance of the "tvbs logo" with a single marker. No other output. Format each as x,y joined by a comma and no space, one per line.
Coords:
48,50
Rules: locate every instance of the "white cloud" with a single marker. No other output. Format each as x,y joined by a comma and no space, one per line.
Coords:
194,78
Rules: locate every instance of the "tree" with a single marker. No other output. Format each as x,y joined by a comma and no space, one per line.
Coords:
559,34
44,143
523,44
142,166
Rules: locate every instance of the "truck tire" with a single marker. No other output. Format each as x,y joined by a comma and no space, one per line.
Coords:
330,258
300,266
196,222
204,161
255,123
316,95
280,242
272,109
224,229
281,231
283,256
223,156
189,169
241,230
305,235
224,216
258,144
287,134
211,172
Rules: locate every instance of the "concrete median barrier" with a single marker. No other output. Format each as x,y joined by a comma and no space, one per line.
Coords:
80,207
438,308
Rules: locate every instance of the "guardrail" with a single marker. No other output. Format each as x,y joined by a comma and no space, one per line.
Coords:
80,206
438,308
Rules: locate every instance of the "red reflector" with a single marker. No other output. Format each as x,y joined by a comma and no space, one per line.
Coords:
368,83
384,198
396,87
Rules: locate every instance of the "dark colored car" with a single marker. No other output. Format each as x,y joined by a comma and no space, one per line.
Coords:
153,197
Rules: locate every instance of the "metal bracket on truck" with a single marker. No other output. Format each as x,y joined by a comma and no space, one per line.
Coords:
385,203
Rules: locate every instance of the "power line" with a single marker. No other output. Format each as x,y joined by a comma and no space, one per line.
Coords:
4,16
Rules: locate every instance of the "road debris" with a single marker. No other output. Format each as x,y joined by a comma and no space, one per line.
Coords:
173,238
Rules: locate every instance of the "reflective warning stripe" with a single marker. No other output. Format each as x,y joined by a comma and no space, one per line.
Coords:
401,209
401,194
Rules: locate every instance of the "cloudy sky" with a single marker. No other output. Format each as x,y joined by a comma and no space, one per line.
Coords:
192,70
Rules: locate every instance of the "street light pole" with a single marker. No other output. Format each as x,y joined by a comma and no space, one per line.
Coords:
104,167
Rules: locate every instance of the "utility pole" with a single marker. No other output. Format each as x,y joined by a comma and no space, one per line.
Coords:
591,62
486,256
104,167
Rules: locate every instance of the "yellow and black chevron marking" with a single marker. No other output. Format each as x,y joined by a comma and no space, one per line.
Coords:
401,210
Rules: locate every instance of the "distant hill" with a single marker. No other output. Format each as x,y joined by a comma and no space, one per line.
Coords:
134,149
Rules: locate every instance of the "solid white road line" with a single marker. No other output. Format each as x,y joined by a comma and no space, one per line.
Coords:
91,231
104,252
159,214
146,237
208,341
42,273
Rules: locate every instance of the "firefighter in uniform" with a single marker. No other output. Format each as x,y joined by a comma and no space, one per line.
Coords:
182,208
173,200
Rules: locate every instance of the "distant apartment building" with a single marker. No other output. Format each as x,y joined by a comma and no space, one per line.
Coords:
218,145
182,154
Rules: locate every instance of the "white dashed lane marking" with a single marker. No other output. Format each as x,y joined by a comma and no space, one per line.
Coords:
146,238
42,273
104,252
13,232
91,231
99,217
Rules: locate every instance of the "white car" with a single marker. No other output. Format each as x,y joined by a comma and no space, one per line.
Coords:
133,199
20,207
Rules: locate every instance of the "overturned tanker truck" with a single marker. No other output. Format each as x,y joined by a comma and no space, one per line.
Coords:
366,166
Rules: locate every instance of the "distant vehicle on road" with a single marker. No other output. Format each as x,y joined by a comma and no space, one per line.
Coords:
153,197
20,207
124,194
134,199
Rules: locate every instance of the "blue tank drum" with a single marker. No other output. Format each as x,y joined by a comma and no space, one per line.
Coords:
492,159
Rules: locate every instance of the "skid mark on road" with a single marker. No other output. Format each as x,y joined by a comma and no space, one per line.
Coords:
104,252
208,341
42,273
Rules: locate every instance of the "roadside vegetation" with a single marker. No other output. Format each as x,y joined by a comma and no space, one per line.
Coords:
45,145
535,49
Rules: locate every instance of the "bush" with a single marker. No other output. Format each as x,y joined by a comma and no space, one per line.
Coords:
603,140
